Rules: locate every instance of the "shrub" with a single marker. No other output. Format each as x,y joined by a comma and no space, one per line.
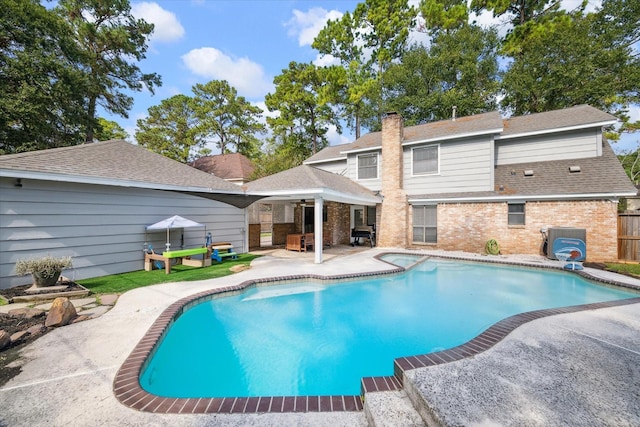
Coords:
46,266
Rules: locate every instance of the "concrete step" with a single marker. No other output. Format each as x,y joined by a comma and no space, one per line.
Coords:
391,409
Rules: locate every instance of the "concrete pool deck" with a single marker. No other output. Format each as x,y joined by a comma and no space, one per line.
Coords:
572,369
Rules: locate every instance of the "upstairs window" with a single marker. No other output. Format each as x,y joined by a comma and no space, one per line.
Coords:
516,214
425,160
368,166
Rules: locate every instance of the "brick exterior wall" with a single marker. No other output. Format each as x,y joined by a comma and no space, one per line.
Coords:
336,229
254,236
337,225
280,231
392,230
468,226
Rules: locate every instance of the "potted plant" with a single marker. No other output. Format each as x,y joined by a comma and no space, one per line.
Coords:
45,270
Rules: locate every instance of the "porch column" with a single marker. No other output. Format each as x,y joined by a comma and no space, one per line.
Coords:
317,218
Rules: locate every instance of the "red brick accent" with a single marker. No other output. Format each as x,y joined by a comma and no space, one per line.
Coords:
468,226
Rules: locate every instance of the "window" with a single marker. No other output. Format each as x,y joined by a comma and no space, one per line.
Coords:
516,214
425,160
425,226
368,166
371,216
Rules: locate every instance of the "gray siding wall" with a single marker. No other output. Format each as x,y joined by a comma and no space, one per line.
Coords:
337,167
465,165
560,146
102,228
352,171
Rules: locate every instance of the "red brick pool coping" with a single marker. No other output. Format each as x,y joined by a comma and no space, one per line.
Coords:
127,389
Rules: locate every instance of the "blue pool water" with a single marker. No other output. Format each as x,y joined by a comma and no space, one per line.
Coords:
311,338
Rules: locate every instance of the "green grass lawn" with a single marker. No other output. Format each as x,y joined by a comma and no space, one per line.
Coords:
119,283
625,268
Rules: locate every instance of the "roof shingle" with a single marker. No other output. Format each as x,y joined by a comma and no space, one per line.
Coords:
115,160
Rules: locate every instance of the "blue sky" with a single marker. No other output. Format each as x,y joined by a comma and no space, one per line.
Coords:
246,42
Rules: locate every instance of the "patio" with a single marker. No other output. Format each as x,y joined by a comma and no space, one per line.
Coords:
579,368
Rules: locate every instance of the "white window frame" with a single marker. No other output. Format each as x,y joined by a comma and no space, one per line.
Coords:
377,157
437,172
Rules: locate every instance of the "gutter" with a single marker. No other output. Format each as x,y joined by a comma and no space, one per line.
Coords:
112,182
521,198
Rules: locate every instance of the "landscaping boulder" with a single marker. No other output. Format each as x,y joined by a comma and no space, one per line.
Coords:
61,313
5,339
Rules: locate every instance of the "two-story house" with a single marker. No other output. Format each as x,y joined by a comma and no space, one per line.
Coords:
455,184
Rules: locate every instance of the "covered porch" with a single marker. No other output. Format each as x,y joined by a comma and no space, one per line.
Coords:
306,200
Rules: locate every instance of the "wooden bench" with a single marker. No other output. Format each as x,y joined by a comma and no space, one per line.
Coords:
182,256
220,250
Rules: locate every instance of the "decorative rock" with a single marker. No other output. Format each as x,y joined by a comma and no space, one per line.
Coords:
80,318
26,312
35,329
109,299
61,312
5,339
19,335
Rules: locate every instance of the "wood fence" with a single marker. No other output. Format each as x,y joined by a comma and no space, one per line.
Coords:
629,235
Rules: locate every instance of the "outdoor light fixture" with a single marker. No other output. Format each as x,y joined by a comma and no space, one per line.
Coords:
18,183
303,203
574,169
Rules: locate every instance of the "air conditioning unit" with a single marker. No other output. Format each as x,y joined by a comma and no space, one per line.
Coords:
567,236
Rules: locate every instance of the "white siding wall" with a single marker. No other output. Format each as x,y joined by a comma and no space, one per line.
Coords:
560,146
465,165
337,167
352,171
102,228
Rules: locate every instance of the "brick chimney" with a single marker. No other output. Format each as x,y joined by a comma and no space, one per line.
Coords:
392,230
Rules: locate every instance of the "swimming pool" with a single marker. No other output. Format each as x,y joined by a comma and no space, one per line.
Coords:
315,338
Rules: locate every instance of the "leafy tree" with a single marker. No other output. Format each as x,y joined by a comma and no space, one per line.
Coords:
444,15
519,11
578,58
351,81
631,164
170,129
459,69
108,129
304,117
366,43
227,119
111,40
277,158
42,103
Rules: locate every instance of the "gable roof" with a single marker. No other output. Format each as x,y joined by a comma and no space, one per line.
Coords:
306,181
230,167
598,177
580,116
479,124
122,164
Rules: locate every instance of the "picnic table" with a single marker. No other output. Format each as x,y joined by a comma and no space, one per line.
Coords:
220,250
182,256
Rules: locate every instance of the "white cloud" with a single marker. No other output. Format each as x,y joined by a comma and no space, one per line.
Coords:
167,27
306,25
325,60
335,138
243,74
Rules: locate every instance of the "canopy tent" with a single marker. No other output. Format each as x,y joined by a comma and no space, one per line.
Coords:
175,221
